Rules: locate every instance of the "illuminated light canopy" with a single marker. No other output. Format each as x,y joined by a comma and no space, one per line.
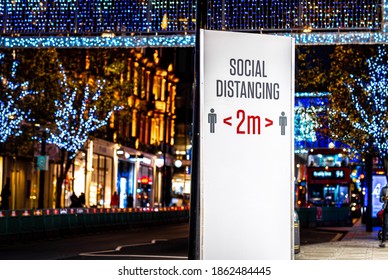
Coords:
11,117
77,22
92,16
99,42
184,40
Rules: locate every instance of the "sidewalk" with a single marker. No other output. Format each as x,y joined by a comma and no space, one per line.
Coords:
357,244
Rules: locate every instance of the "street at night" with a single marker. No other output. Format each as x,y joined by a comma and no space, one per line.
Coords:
157,242
152,243
221,138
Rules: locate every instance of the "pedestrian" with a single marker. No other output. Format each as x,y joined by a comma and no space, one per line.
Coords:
74,200
82,200
384,199
130,201
114,202
5,194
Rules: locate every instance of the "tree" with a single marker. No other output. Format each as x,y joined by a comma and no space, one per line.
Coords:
370,99
77,115
13,92
357,111
68,105
349,63
311,63
41,69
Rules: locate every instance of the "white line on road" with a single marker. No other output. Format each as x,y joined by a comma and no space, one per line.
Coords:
105,253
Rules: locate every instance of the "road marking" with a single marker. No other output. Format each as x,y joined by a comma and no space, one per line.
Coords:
133,256
337,237
105,253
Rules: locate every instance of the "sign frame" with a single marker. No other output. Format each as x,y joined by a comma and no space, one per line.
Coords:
235,131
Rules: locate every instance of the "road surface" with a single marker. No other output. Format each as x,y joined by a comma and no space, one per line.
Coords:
158,242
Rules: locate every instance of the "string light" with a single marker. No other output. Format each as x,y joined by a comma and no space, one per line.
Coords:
342,22
305,126
307,105
11,117
74,122
187,40
370,99
95,16
98,42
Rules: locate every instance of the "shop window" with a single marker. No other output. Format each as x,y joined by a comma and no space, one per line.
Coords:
101,186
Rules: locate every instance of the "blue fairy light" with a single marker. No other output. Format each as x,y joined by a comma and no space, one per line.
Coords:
75,23
73,122
11,116
370,100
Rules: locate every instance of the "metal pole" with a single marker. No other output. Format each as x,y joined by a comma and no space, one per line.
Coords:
42,174
164,187
194,234
368,177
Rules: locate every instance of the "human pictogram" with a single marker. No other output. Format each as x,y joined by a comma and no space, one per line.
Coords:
212,120
283,123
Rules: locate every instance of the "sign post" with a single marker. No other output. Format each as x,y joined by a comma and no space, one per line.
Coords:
246,144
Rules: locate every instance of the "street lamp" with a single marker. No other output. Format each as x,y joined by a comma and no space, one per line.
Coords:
159,162
178,163
120,152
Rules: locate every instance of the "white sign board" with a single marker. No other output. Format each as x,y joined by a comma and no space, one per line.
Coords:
247,156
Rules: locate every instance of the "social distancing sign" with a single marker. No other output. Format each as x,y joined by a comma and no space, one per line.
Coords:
246,144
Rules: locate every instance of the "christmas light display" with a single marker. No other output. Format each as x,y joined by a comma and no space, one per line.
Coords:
86,17
307,106
76,116
137,23
305,126
11,116
370,100
323,14
184,40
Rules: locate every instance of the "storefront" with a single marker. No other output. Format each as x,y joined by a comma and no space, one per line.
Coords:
102,176
18,171
75,180
145,192
128,159
98,171
136,173
125,183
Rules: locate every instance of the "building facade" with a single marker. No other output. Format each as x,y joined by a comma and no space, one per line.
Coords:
133,155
